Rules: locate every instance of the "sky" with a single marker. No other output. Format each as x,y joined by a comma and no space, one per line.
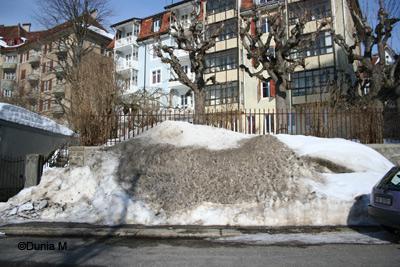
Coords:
19,11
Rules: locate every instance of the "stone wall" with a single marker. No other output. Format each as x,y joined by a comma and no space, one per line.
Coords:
79,155
390,151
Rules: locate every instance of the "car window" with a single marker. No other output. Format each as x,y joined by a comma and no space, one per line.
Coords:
384,182
395,181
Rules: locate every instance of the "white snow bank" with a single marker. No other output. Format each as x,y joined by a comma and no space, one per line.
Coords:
354,156
348,237
2,234
94,194
101,32
25,117
183,134
84,194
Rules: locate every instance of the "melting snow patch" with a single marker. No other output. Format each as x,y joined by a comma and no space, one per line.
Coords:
182,134
349,237
25,117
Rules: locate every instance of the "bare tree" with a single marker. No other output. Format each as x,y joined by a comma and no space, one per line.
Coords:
272,57
376,80
195,41
72,27
95,99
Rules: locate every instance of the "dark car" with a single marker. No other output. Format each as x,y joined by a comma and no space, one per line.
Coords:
385,200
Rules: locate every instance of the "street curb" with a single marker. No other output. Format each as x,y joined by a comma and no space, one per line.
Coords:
119,232
161,231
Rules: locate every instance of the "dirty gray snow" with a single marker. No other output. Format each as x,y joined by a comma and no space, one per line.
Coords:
178,173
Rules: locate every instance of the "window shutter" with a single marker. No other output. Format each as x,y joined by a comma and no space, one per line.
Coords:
272,86
45,49
50,84
23,73
51,65
253,28
48,104
259,90
27,55
44,68
40,105
41,86
21,58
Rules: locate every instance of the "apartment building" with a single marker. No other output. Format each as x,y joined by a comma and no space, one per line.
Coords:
126,53
325,62
30,72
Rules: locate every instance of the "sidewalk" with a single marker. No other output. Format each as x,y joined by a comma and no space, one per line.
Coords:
141,231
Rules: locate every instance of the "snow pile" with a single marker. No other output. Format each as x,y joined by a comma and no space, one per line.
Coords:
179,173
25,117
101,32
182,134
86,194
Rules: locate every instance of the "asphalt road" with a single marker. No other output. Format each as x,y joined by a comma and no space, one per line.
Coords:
178,252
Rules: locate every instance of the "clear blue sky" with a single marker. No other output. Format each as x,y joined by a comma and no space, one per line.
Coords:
19,11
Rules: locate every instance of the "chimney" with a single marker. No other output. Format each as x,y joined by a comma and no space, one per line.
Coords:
26,27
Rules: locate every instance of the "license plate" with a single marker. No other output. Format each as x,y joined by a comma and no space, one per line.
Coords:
383,200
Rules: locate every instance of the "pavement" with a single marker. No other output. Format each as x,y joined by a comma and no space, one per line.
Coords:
133,251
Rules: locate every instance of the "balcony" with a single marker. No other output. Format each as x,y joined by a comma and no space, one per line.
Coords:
59,90
57,110
34,60
7,84
9,65
125,41
59,71
33,78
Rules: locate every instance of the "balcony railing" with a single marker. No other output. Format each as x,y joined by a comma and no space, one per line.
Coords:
33,78
59,90
34,60
9,65
7,84
124,41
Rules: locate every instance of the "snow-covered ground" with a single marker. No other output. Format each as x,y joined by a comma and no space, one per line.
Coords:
344,237
25,117
97,193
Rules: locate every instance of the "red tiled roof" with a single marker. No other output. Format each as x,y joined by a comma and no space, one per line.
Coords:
111,44
146,29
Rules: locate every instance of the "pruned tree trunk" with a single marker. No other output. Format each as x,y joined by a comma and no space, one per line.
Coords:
199,108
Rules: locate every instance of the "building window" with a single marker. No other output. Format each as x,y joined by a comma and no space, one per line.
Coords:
228,32
136,29
23,74
264,25
323,45
156,25
7,93
8,75
221,61
217,6
135,52
134,77
312,81
11,59
266,89
317,9
156,76
225,93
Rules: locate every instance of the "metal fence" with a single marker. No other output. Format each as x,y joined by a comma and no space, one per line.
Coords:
365,126
12,171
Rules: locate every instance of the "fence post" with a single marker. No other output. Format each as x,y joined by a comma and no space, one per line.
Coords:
32,170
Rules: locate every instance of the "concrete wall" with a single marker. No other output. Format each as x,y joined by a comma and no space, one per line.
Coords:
79,155
18,140
390,151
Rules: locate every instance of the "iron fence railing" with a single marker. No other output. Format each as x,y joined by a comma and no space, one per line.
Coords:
12,176
365,126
